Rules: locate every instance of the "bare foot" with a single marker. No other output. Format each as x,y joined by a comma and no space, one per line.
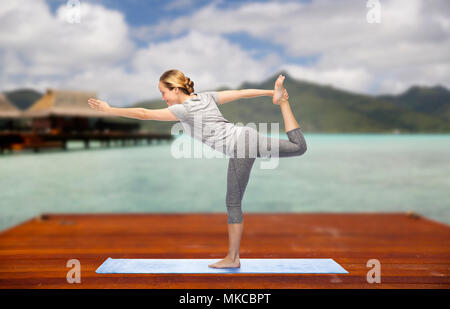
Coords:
227,262
280,93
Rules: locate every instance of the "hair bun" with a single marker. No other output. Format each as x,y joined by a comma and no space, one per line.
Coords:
189,85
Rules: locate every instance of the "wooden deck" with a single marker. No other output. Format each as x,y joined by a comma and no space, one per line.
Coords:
414,252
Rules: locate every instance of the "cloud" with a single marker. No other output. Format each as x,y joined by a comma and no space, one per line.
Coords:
410,46
210,60
413,38
98,54
41,50
50,45
353,79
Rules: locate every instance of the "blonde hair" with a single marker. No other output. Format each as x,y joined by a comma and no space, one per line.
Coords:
176,79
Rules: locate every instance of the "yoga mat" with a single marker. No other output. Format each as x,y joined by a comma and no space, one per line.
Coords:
200,266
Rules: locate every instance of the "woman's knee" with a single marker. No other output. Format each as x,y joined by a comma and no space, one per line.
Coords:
301,149
235,214
298,139
290,149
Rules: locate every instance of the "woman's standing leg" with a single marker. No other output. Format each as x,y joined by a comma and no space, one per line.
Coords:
238,175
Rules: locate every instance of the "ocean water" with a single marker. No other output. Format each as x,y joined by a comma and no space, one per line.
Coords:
338,173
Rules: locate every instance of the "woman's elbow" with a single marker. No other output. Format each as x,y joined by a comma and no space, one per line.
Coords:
146,114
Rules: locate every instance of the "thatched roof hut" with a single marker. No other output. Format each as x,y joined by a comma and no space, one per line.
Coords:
64,103
7,109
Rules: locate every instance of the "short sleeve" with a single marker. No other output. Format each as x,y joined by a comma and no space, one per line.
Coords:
179,111
215,96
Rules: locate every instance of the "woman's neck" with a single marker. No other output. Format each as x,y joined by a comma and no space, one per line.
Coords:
185,97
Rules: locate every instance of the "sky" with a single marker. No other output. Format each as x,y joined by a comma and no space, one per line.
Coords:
119,48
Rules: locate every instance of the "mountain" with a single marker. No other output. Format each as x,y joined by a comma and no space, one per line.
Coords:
326,109
434,101
318,108
23,98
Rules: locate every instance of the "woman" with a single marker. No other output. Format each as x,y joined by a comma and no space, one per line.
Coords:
186,106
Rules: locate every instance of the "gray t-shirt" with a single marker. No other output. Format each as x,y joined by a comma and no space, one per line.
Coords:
202,120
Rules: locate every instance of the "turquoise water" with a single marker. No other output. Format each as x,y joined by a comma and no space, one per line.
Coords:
338,173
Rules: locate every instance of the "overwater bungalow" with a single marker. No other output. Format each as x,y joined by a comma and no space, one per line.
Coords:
60,111
60,116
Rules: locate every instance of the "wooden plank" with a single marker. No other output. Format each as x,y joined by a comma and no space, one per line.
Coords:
413,251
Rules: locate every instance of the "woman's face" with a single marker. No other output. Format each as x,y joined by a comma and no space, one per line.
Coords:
169,96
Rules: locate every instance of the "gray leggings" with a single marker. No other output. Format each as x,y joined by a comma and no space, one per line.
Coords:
239,166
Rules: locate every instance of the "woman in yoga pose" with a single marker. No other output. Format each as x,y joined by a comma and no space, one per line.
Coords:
183,104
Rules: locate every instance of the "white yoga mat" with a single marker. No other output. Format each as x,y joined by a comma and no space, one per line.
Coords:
200,266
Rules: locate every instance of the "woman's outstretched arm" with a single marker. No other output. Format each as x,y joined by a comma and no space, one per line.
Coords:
233,95
102,106
163,114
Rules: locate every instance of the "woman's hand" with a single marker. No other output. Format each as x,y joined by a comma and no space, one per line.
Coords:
99,105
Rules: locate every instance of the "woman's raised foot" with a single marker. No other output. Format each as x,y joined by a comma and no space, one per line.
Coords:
280,93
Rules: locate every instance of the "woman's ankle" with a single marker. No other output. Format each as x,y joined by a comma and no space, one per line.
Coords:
233,257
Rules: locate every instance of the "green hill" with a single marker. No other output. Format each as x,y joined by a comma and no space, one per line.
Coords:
318,108
434,101
23,98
